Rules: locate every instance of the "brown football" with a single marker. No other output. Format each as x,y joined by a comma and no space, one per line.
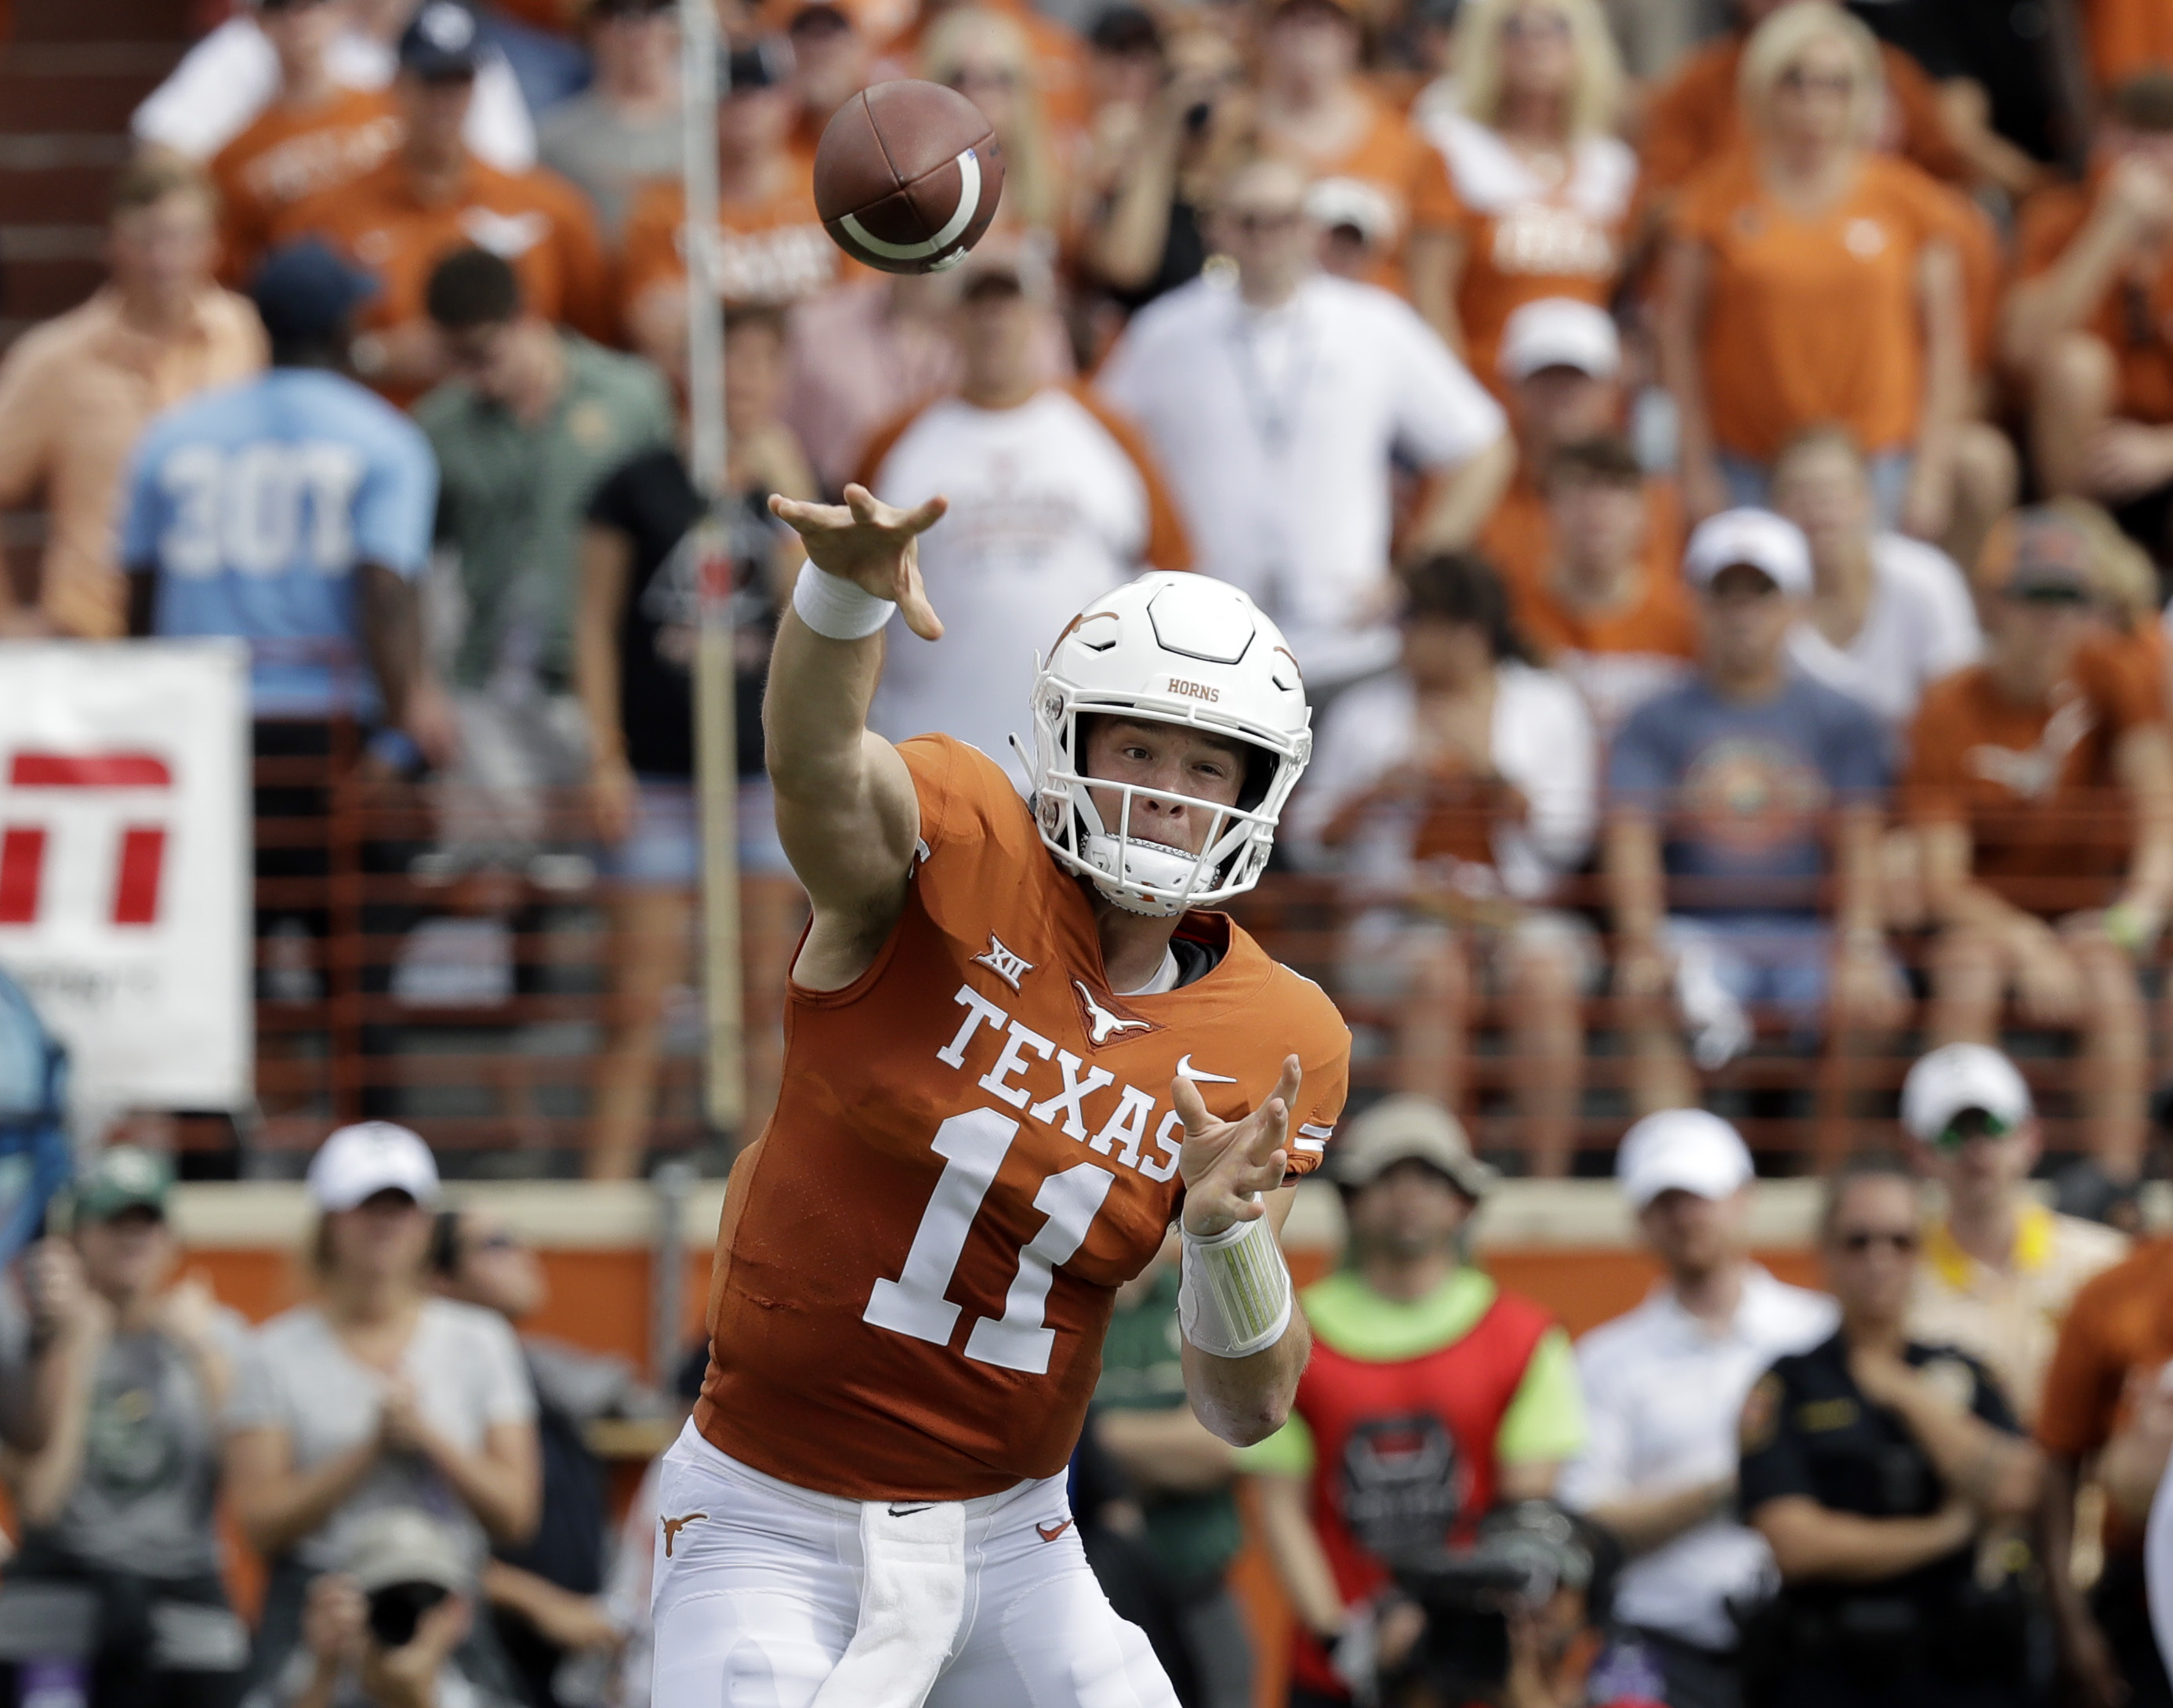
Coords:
907,176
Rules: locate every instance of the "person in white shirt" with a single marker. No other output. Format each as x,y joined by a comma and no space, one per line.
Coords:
1276,403
1450,796
1054,501
232,75
1665,1385
1888,616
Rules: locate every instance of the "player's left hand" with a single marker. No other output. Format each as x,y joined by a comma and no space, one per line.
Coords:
1227,1164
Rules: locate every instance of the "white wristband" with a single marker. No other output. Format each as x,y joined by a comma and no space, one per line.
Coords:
835,608
1234,1296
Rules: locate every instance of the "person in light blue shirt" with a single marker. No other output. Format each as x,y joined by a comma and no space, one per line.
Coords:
294,511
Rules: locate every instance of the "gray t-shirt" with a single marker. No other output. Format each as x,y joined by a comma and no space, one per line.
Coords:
608,155
143,1503
466,1367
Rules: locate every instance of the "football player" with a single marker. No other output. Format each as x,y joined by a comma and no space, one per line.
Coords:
1018,1050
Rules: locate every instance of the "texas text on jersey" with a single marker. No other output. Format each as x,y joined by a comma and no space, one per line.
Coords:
973,1146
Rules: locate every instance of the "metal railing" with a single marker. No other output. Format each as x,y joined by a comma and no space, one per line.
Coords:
489,1004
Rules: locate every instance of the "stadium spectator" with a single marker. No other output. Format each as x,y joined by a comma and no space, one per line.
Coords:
833,61
116,1508
233,73
1313,110
76,391
1871,1464
1543,188
987,57
1698,117
772,249
315,133
1889,616
545,1596
386,1628
2041,791
624,128
1451,795
1180,1477
294,511
435,195
1735,799
1604,603
1432,1397
1145,223
1809,281
2105,1424
2000,1270
535,421
375,1396
1054,501
1663,1388
634,637
2086,322
1275,408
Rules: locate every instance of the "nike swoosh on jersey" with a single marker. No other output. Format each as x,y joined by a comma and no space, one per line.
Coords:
1185,1070
906,1509
1050,1532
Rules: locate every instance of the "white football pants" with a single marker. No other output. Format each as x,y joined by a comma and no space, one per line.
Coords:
756,1598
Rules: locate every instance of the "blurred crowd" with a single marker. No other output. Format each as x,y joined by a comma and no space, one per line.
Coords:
1936,1481
1624,408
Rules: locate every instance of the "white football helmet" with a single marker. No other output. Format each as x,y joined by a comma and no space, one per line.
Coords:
1171,650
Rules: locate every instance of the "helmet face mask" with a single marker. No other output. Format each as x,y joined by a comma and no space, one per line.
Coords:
1227,673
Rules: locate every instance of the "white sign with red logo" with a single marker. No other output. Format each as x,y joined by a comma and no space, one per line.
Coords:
125,857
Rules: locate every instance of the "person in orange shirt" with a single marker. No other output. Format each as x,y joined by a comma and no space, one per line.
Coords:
1560,365
773,249
315,135
1604,605
2127,38
1315,112
1057,55
1697,117
1543,189
2041,793
433,197
833,61
76,391
1809,280
2091,324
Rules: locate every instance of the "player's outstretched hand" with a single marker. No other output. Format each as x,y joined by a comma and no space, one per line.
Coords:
873,545
1225,1164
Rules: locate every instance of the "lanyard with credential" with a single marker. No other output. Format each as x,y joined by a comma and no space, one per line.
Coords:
1273,411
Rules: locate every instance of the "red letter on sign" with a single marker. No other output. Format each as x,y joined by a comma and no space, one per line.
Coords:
22,864
135,883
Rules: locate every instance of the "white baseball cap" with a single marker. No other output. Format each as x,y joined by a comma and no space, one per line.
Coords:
357,1162
1758,538
1681,1150
1559,332
1959,1077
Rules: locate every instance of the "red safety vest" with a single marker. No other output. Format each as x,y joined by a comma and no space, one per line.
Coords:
1405,1451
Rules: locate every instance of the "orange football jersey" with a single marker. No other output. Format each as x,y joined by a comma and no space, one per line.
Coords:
973,1147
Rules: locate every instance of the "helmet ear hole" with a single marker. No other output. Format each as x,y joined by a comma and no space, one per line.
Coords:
1259,777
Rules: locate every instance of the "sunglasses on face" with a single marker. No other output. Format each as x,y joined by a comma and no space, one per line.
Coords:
1532,26
1264,225
2051,598
1858,1241
982,77
1799,80
1972,1123
493,1242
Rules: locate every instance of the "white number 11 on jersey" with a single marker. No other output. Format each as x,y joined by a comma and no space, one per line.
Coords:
973,1146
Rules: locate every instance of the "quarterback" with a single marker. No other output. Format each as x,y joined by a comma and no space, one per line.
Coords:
1017,1052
